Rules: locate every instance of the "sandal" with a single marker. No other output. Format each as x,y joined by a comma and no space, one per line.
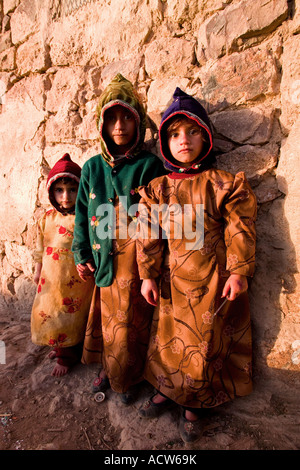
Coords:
190,431
100,384
128,397
151,410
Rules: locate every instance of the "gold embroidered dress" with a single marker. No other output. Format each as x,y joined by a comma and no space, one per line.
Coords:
62,300
118,327
195,358
200,350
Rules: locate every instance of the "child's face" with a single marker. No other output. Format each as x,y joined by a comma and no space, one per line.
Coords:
120,127
185,142
65,194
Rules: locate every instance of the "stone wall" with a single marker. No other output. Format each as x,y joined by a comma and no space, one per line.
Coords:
240,58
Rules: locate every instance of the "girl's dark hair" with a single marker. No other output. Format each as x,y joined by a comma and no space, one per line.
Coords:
65,180
177,120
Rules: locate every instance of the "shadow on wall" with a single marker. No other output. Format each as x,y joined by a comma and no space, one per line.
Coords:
274,282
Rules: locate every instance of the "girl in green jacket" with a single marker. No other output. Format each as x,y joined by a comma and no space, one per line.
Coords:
117,332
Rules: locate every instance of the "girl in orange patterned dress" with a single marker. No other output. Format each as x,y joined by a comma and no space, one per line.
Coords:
199,354
119,321
62,301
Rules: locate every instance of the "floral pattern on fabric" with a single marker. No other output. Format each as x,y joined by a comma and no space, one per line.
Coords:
62,301
196,357
119,321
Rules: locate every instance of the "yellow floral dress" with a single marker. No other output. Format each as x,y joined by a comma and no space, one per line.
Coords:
62,301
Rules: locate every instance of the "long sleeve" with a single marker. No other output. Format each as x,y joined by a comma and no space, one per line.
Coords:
150,244
239,211
81,243
39,249
101,187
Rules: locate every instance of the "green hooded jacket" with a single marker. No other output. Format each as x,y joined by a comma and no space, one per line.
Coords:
102,180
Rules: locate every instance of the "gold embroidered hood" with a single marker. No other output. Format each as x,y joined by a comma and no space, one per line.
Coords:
120,91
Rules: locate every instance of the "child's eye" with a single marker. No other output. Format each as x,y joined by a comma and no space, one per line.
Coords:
128,117
194,131
173,135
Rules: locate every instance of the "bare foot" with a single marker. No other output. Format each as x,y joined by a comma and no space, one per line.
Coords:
59,370
190,416
52,354
103,374
158,398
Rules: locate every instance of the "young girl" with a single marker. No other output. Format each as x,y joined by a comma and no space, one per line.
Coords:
119,321
200,346
61,305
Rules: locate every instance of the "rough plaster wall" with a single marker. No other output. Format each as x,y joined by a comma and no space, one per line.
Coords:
240,58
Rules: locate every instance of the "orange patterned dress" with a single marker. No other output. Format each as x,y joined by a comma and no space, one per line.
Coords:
118,327
200,353
62,301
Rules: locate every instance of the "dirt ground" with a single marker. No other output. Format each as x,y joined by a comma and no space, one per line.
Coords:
40,412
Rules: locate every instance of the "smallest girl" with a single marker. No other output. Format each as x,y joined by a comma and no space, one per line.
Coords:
62,300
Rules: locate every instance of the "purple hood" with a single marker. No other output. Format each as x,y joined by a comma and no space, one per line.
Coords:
190,107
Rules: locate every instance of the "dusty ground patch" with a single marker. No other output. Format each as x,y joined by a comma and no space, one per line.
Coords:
39,412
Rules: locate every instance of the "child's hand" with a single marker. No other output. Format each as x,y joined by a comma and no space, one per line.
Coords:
235,285
37,274
149,290
85,270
